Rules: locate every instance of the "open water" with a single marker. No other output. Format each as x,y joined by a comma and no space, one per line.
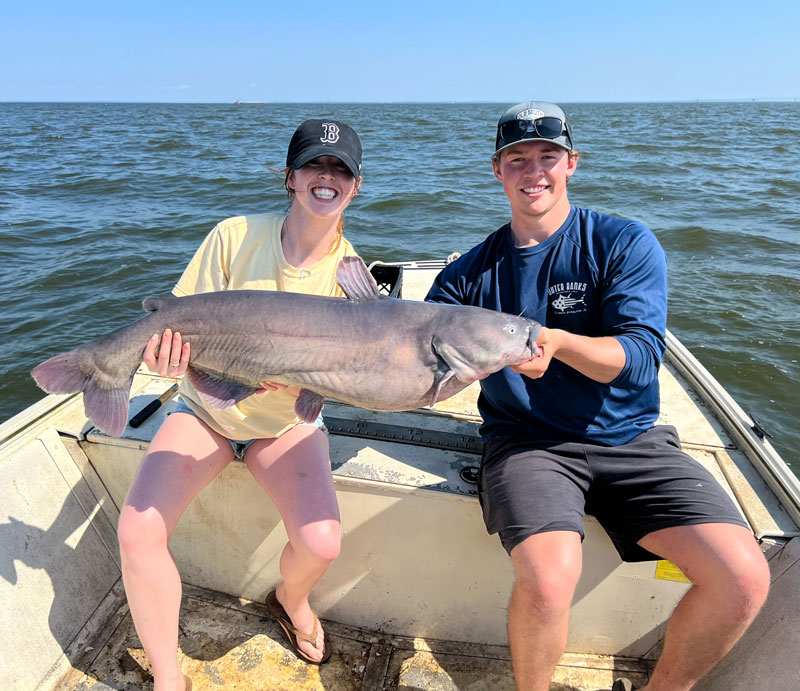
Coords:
102,205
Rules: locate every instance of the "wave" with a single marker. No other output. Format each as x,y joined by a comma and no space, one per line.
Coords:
102,202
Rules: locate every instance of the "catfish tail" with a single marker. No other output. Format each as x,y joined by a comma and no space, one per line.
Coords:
105,393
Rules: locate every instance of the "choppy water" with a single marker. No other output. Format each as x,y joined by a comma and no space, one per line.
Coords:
103,204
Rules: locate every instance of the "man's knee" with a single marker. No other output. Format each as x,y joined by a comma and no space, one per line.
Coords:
548,593
547,568
749,584
740,581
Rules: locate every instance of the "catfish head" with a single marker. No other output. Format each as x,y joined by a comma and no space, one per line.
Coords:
474,343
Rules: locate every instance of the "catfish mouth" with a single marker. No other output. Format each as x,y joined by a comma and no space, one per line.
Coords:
531,345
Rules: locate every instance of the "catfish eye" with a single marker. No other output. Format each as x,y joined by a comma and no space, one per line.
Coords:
511,329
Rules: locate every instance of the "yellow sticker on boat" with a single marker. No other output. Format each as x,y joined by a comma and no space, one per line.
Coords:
667,571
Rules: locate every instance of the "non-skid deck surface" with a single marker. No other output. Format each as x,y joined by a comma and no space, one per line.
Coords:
228,643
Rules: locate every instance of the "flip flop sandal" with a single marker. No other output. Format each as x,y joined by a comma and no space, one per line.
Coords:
188,683
276,610
623,684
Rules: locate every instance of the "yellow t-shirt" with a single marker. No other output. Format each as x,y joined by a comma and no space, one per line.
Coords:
245,253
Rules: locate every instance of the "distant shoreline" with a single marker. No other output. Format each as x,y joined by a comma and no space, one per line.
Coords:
786,99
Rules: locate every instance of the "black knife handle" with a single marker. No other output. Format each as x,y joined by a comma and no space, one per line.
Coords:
145,413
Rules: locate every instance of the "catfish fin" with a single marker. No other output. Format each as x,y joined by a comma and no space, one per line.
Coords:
60,374
105,397
443,375
217,391
355,280
450,356
108,408
308,405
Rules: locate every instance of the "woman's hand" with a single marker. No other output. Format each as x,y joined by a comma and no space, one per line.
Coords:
167,356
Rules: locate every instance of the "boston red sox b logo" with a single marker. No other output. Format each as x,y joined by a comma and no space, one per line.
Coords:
331,133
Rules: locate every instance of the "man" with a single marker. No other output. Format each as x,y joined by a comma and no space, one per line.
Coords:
572,431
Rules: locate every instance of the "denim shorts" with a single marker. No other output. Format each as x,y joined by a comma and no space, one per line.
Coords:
528,486
240,447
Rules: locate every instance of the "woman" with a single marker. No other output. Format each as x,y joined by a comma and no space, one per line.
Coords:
288,458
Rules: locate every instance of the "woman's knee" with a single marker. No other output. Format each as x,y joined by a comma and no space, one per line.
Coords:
141,532
321,540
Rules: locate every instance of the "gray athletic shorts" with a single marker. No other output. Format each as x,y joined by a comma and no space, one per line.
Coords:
528,486
240,447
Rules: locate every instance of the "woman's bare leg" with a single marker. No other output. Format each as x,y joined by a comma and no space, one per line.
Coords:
184,456
295,471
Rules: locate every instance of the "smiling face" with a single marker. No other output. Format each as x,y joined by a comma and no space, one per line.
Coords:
323,186
534,176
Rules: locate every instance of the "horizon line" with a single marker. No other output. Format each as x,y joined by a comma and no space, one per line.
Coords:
769,99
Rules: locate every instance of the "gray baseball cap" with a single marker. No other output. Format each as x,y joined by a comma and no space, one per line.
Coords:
533,120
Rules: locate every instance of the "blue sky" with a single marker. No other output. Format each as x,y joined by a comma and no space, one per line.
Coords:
313,51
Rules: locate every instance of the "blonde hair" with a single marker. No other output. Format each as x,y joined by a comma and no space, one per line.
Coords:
340,226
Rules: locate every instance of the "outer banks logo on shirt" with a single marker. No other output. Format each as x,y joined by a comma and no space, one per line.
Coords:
568,298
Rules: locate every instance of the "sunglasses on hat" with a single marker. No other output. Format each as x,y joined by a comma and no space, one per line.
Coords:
547,127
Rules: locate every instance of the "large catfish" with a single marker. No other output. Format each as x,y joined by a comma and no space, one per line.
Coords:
368,350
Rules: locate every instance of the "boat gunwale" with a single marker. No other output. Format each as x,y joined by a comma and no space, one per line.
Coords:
741,426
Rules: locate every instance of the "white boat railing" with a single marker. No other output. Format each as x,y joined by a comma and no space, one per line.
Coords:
747,435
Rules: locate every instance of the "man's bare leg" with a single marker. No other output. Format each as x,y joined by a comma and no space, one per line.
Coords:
547,568
731,580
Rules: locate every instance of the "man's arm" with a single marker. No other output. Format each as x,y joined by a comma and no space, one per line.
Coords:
600,358
634,307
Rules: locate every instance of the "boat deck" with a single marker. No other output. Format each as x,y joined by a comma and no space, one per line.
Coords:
230,643
417,570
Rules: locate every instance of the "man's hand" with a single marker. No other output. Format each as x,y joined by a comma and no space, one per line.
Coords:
600,358
538,364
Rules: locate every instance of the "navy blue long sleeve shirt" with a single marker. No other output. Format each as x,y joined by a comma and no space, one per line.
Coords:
598,275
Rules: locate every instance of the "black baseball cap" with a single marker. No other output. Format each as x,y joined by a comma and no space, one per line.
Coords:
316,138
533,120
